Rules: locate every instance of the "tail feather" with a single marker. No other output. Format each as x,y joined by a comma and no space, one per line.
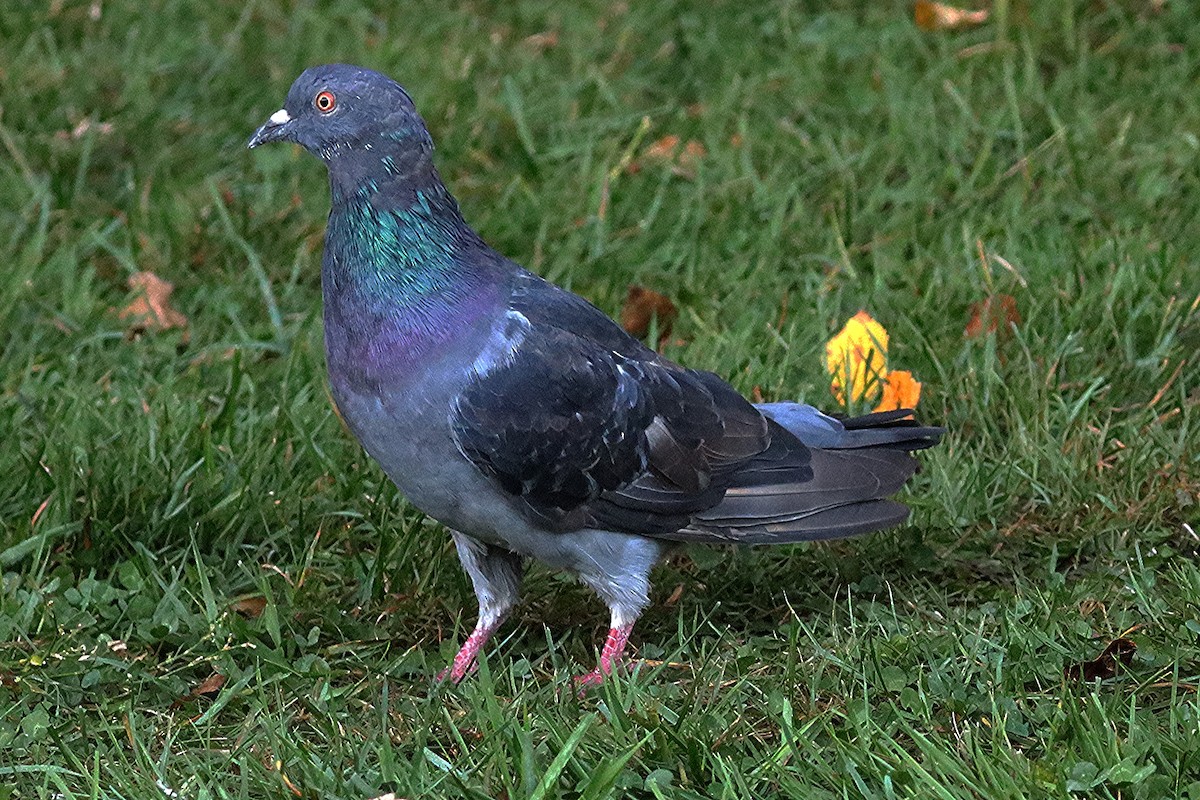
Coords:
881,429
821,478
831,523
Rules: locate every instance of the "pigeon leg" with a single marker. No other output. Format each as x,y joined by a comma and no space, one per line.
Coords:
621,576
610,657
496,575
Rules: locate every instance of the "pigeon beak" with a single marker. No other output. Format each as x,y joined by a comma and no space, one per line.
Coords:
275,129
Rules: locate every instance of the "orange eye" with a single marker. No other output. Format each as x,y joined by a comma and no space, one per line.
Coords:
325,102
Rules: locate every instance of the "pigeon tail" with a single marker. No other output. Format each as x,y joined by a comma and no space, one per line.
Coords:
821,478
895,429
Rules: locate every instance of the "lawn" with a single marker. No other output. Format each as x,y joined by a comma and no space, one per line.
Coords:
208,591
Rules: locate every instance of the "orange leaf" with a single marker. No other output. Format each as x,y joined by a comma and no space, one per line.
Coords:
643,305
900,390
931,16
661,150
856,358
683,161
150,309
993,314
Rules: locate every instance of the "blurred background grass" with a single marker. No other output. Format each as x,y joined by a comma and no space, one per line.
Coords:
148,484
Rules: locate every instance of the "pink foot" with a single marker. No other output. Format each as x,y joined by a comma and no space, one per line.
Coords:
610,657
464,663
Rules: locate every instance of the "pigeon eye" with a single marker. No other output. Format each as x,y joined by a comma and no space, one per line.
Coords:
325,102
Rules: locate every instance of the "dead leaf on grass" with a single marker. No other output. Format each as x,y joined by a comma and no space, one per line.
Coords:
683,160
993,314
250,607
931,16
541,42
1119,653
856,358
642,306
900,390
150,309
210,685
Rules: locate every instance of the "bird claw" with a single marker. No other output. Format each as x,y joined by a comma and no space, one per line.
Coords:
466,661
585,683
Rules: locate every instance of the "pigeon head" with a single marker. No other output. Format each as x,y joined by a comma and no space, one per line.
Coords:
339,112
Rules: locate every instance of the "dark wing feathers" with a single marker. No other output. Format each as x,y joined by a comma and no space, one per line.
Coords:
586,427
558,425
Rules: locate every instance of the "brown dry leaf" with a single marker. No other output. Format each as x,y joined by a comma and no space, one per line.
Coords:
900,390
994,314
541,42
150,309
1119,652
249,607
643,305
662,149
931,16
675,596
666,150
210,685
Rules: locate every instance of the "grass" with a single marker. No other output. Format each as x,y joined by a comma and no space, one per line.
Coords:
149,485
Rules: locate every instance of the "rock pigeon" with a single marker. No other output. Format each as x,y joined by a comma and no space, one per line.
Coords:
522,417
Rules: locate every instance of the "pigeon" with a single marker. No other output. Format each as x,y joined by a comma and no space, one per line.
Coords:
523,418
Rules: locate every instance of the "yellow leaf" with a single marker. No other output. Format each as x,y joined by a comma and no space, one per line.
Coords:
931,16
857,358
900,390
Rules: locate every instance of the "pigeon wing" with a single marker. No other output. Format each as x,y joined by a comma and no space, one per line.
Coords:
586,427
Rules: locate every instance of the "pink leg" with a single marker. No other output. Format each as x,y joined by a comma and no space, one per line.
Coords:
464,662
610,657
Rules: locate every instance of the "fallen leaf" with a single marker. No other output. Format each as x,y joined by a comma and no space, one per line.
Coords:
210,685
993,314
683,161
675,595
856,358
661,150
931,16
150,309
900,390
643,305
1119,652
541,42
250,607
